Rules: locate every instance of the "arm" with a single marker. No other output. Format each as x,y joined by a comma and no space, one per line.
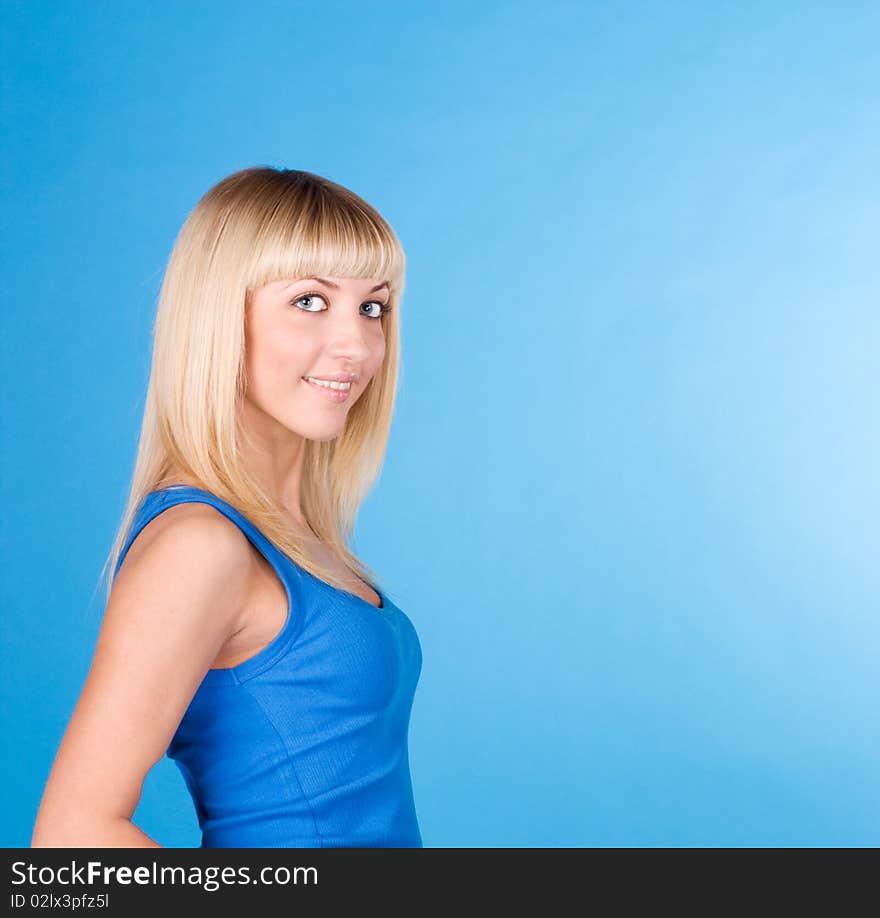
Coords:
176,601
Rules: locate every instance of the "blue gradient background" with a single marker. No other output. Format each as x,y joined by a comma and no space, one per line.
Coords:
631,494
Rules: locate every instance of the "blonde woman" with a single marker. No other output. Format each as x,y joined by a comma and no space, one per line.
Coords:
241,635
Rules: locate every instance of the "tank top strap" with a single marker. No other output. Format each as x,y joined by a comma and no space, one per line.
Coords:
157,501
288,572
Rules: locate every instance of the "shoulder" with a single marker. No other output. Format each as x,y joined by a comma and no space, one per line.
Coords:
190,551
193,529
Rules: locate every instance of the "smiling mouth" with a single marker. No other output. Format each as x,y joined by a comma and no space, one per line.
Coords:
329,392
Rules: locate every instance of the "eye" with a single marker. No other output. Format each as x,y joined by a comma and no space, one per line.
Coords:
308,296
380,308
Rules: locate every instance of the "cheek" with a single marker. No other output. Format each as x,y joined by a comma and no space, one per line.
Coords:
273,365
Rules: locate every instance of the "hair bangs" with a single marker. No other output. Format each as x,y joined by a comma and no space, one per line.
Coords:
318,228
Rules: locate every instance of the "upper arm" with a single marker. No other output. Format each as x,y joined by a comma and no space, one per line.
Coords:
177,598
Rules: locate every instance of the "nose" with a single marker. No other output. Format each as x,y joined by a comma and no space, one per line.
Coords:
348,334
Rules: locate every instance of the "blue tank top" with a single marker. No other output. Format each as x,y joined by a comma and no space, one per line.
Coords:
305,744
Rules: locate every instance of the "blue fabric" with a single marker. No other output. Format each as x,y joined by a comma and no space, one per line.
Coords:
304,744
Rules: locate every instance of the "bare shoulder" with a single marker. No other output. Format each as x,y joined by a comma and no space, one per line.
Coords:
190,551
190,527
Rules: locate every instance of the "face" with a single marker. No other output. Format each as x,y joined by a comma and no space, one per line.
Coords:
311,328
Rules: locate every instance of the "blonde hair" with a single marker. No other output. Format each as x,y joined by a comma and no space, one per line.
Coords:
255,226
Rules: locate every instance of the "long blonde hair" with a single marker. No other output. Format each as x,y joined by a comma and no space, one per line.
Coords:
255,226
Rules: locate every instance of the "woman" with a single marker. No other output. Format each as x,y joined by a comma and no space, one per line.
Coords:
241,634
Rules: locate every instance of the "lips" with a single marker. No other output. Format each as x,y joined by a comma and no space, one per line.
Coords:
336,396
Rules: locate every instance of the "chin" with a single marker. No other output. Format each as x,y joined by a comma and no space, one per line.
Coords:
320,433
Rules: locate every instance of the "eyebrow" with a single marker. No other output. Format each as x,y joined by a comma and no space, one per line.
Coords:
335,286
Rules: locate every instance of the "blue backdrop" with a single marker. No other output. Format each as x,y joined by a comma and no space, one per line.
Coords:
632,491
